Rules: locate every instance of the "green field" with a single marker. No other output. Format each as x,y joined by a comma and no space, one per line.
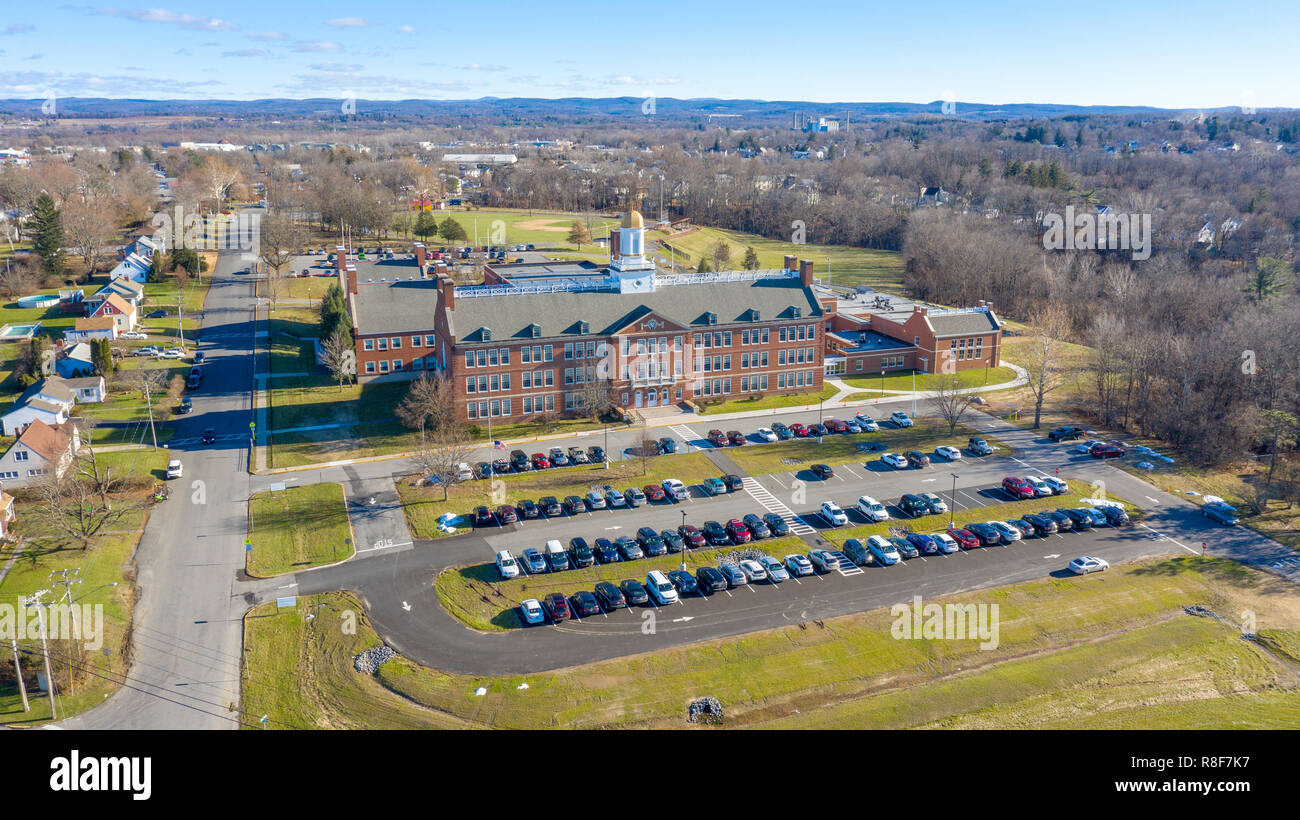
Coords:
510,227
478,597
768,402
296,528
1109,651
929,381
849,267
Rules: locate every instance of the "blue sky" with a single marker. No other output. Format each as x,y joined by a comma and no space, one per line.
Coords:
1187,54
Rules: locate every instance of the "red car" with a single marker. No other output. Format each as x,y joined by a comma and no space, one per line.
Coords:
837,426
506,514
736,438
556,607
1018,488
692,537
540,462
1104,450
738,531
799,430
654,492
717,439
966,538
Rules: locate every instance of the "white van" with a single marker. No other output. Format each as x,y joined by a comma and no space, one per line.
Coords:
463,472
660,588
507,565
174,468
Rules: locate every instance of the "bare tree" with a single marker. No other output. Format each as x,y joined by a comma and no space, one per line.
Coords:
89,224
1048,326
78,503
440,451
950,399
279,239
18,279
595,396
340,358
429,404
215,178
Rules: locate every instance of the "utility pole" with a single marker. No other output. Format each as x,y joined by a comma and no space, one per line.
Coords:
18,670
149,403
72,611
45,650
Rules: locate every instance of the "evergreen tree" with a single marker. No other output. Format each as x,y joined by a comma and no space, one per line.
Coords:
751,260
102,356
451,230
425,225
334,311
48,234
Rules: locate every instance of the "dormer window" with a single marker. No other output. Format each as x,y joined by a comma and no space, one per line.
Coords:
485,334
711,318
795,313
584,328
535,331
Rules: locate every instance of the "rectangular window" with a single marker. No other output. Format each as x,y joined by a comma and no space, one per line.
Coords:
505,407
469,358
812,332
528,404
524,354
528,380
505,381
417,364
482,384
677,344
781,335
764,358
505,358
726,338
482,409
764,383
568,351
492,357
397,365
469,384
383,366
744,360
383,344
494,382
744,384
549,351
482,358
550,400
550,382
368,344
766,335
726,362
429,341
370,367
415,341
397,342
726,385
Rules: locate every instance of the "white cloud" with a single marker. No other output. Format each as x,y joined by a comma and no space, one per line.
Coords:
316,45
406,29
189,21
349,22
246,52
267,35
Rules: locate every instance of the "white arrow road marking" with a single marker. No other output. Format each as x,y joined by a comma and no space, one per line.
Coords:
1053,555
1153,500
683,619
406,606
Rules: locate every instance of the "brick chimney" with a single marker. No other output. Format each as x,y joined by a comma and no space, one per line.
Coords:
351,273
340,258
448,289
419,256
806,271
791,262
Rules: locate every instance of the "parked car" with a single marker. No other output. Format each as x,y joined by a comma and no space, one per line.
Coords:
1082,520
782,432
799,430
1220,511
964,537
735,438
556,557
186,406
1018,488
606,552
597,453
578,456
822,471
614,498
818,430
533,560
979,447
713,486
900,419
174,468
635,592
584,604
581,553
684,582
573,504
857,552
1099,518
913,505
519,461
675,489
883,551
550,506
1008,532
1058,486
872,510
948,452
777,524
834,516
916,458
506,514
672,540
628,548
1023,527
1041,488
867,423
483,517
753,570
710,580
716,534
738,532
1066,433
776,573
595,499
557,457
1086,564
823,560
653,492
836,426
924,544
528,510
735,576
541,462
905,548
716,438
756,527
1106,450
1114,513
531,612
692,536
935,503
798,565
634,497
661,589
651,542
668,445
946,543
1043,524
988,536
765,434
1063,522
894,460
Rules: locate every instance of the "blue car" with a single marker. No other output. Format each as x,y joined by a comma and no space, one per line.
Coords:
534,561
923,543
905,548
606,552
714,486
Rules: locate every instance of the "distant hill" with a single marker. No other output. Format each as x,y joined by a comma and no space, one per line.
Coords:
571,109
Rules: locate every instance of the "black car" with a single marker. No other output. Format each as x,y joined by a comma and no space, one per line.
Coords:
1020,525
1115,516
822,471
913,505
709,579
988,536
634,592
1066,433
550,506
818,430
574,504
1063,522
651,541
1082,521
596,453
606,552
733,482
757,528
716,534
187,406
584,604
483,517
156,314
209,436
776,524
581,553
684,582
519,461
668,445
673,540
782,432
1043,525
916,458
610,596
527,509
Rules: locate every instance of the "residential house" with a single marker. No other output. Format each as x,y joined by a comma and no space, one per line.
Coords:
131,292
51,400
76,361
7,514
41,450
122,312
92,327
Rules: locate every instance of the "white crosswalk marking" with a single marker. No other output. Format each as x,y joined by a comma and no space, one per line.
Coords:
773,504
686,434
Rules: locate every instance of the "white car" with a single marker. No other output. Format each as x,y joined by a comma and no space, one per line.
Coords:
675,489
833,514
765,434
1058,486
172,353
531,610
1041,488
508,567
775,572
867,423
798,564
753,570
660,588
894,460
950,453
872,509
936,503
947,544
174,468
901,419
135,334
1004,529
1087,564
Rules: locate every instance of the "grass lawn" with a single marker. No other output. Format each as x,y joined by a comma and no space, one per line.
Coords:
902,380
296,528
477,596
770,402
512,227
424,505
842,448
299,321
848,266
1112,650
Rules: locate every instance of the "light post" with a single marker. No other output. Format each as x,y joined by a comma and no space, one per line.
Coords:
986,370
924,361
685,544
882,385
952,500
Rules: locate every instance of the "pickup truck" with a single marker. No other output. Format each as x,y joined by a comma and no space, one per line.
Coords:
979,446
1066,433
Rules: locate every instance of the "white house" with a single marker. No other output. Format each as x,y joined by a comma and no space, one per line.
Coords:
42,449
51,400
92,327
134,267
77,360
87,389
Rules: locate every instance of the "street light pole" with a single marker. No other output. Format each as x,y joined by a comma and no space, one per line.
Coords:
952,500
685,544
924,361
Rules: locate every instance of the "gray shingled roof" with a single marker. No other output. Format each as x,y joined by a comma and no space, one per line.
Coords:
960,324
410,305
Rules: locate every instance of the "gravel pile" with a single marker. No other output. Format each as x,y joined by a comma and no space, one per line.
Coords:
736,556
370,660
705,710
